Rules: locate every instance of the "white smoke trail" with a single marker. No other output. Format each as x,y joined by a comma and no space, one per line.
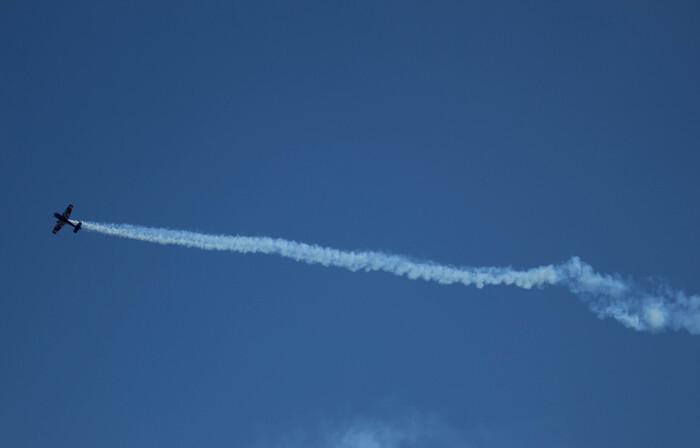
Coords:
607,296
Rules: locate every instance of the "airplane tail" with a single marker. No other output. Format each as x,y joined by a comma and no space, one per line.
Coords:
80,224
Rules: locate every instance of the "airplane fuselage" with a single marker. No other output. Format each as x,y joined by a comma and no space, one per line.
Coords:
62,218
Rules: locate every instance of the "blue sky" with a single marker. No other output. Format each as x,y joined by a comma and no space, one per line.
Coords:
474,135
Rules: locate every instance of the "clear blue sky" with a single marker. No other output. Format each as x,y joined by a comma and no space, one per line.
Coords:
508,133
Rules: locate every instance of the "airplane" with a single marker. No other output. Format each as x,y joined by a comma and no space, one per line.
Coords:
63,219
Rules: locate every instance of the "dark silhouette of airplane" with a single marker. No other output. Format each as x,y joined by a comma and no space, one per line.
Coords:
63,219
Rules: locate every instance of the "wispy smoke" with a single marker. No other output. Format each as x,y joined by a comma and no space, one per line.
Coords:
607,295
409,429
394,428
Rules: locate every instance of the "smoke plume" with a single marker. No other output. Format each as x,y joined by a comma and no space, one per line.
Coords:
606,295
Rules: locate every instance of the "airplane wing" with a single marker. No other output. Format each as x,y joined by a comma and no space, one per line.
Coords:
69,209
58,226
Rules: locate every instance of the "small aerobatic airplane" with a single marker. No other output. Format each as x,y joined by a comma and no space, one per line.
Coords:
63,219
